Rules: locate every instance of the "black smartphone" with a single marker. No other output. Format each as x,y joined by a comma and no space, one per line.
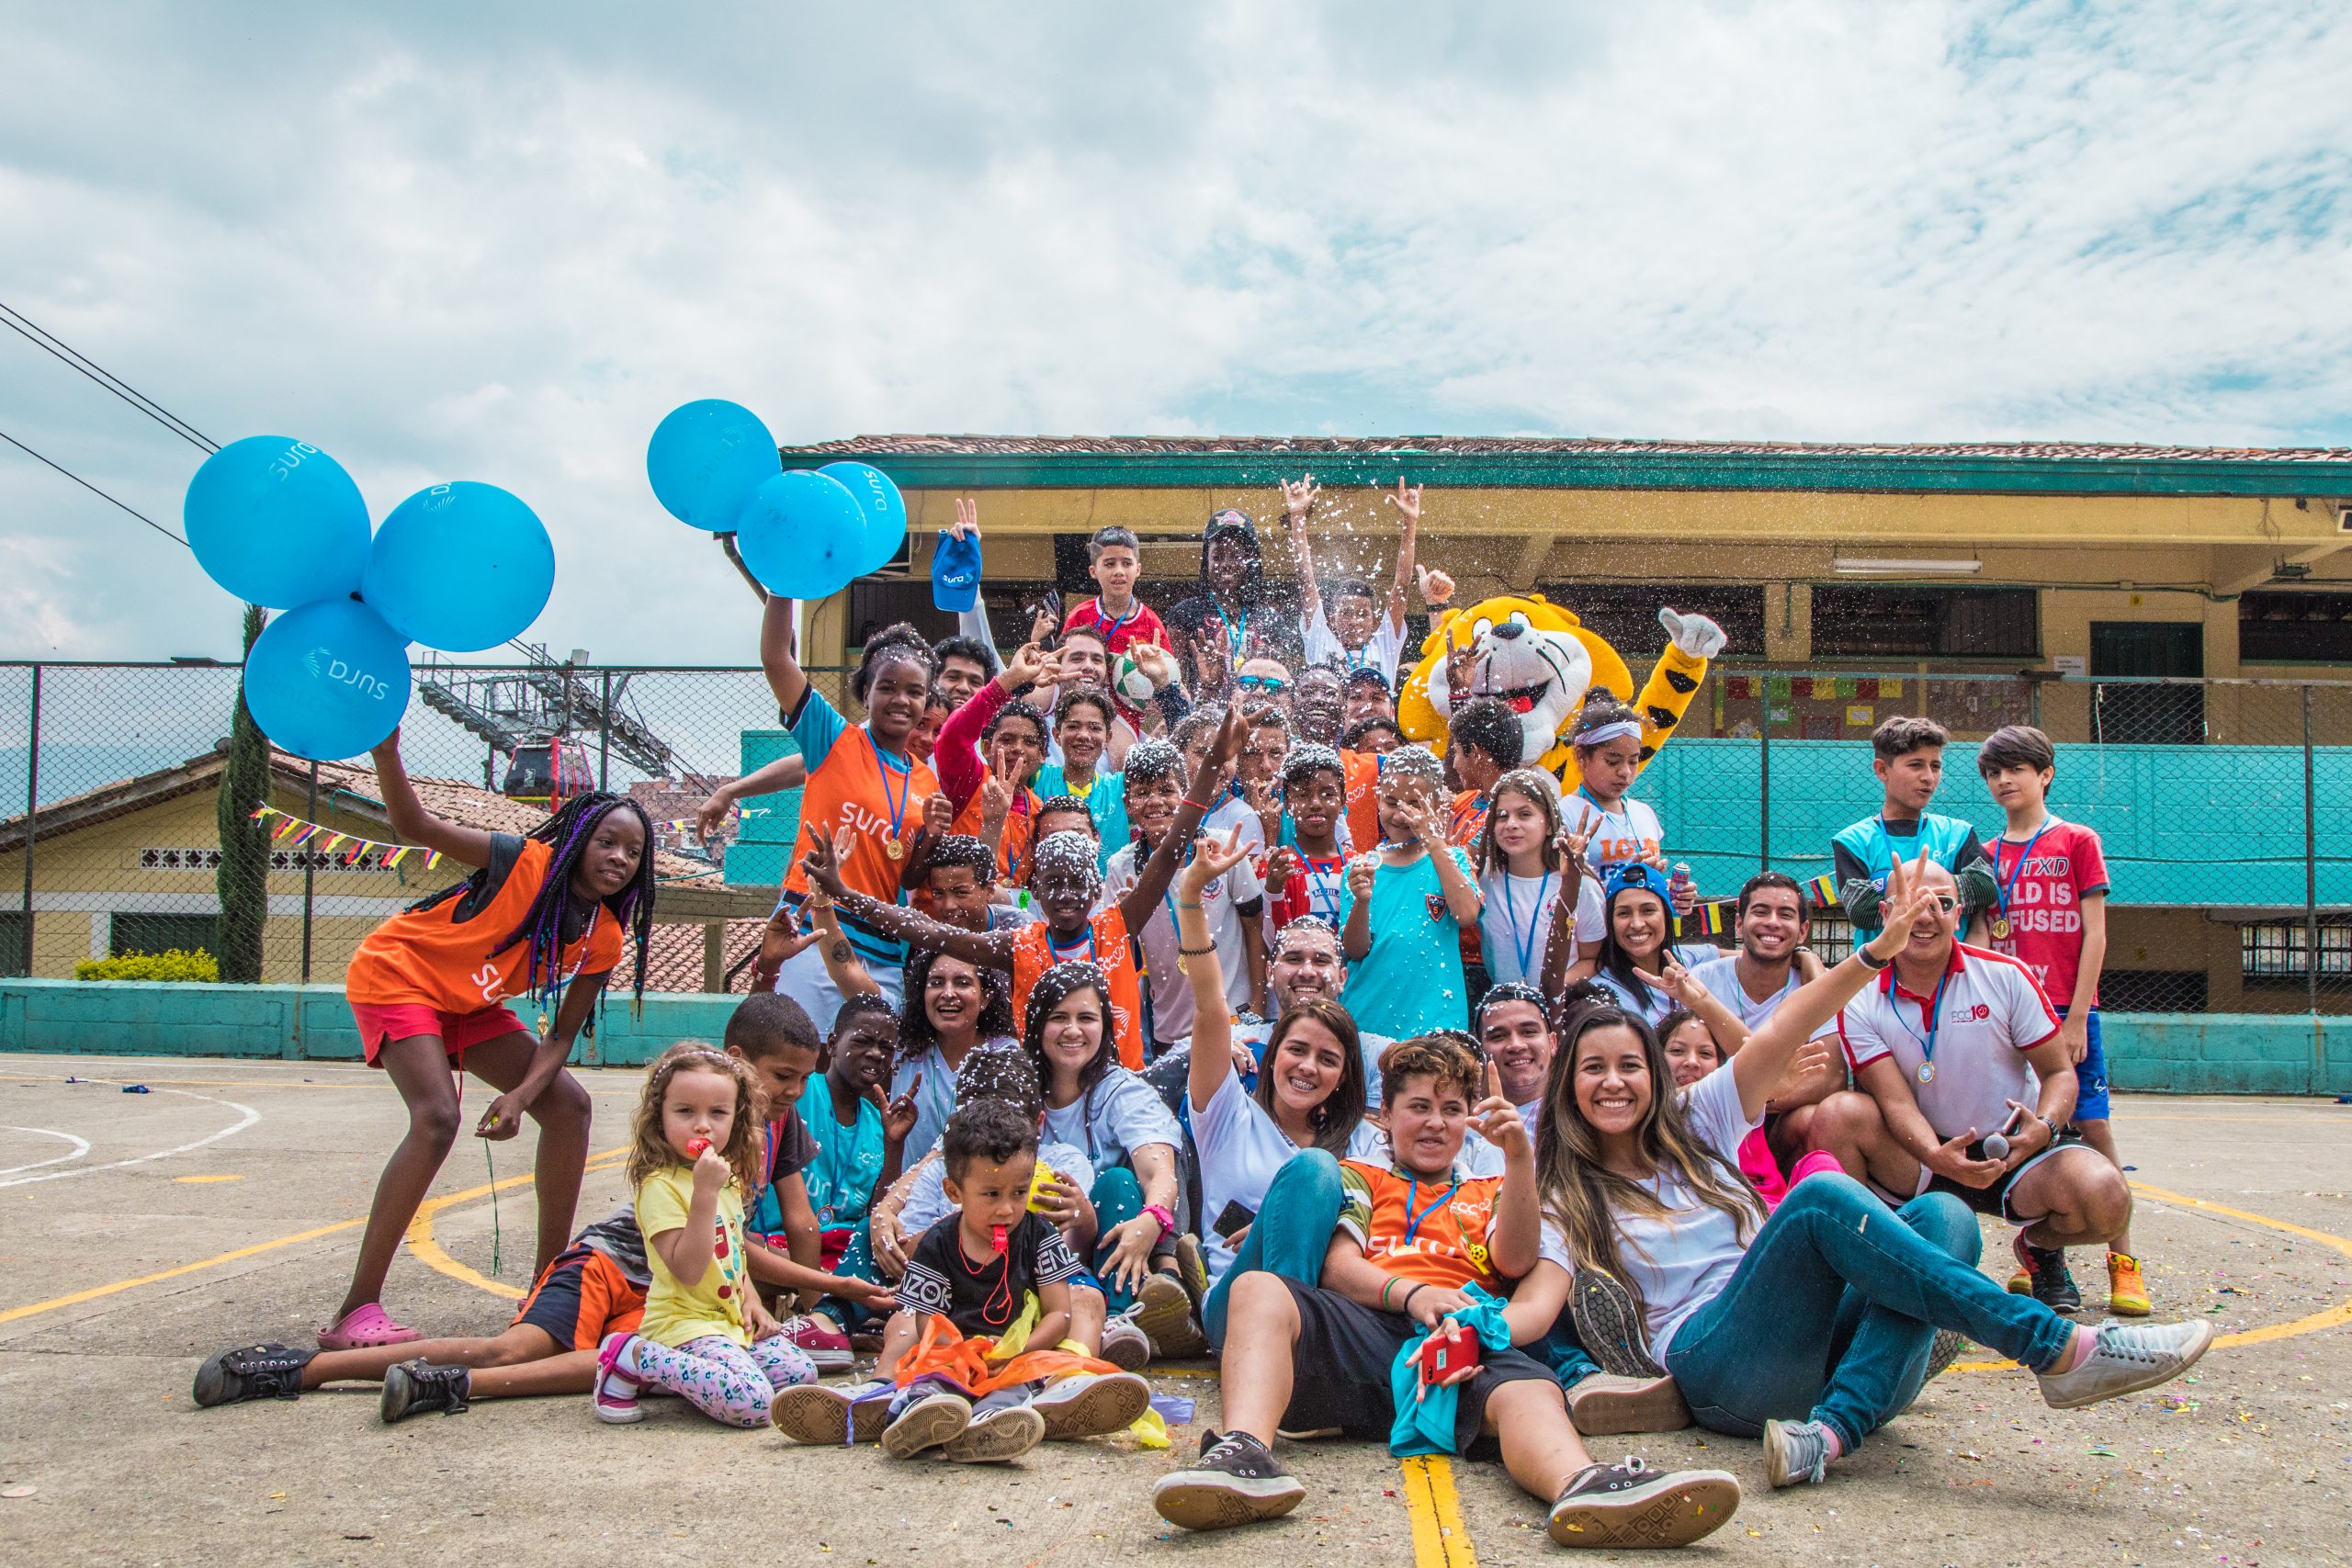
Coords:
1047,605
1234,1220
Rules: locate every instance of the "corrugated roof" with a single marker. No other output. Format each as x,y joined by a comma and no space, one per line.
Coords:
1541,445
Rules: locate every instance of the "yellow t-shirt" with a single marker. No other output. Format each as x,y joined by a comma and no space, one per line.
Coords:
674,1314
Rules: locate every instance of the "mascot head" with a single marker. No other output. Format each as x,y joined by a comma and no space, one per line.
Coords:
1530,653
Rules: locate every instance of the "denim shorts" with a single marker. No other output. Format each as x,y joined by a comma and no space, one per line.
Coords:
2090,1075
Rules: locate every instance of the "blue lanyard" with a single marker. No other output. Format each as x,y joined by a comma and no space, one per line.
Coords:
1412,1191
2009,882
1624,808
1111,632
1525,948
1320,877
1236,629
1934,1019
882,766
1055,953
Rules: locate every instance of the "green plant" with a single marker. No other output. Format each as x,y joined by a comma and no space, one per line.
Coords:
178,965
243,879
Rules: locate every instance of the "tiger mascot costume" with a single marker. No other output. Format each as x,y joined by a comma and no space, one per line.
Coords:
1538,658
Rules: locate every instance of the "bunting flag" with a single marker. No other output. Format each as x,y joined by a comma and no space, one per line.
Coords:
297,834
1711,919
680,825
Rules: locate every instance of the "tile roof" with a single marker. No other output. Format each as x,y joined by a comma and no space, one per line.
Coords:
673,960
1499,446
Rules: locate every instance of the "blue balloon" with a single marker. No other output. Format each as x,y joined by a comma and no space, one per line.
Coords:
707,459
276,522
801,535
885,511
461,566
328,680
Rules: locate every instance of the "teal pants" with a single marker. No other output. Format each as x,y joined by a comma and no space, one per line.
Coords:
1291,1234
1117,1197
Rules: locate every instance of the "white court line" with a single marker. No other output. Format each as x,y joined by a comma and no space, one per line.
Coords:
81,1147
248,1116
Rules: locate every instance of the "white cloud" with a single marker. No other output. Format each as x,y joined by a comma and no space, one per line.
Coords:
499,243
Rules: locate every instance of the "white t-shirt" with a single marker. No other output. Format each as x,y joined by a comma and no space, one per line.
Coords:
936,1099
1322,645
1254,1034
1172,992
1624,834
1515,926
1241,1151
1991,1014
1678,1264
927,1202
1661,1001
1721,977
1110,1121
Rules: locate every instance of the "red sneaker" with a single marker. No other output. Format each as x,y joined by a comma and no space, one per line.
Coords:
830,1350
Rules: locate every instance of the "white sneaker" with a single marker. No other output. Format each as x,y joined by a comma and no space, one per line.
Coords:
928,1422
2126,1359
1091,1406
1124,1346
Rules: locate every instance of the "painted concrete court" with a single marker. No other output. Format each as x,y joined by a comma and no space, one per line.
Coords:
138,1233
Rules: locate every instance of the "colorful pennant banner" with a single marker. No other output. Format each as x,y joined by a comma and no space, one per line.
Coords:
295,834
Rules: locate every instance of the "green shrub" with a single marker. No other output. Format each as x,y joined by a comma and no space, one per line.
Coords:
176,964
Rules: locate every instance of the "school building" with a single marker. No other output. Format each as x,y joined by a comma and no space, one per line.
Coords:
2056,583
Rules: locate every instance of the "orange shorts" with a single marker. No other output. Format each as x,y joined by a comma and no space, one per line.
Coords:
580,1298
457,1029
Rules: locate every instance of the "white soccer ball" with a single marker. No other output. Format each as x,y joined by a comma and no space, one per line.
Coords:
1129,682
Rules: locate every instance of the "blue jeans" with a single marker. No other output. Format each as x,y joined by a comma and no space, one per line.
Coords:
1831,1312
1290,1235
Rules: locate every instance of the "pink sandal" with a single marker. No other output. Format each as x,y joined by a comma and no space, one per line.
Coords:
364,1328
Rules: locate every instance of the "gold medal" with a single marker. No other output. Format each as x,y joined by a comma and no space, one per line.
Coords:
1927,1072
1182,968
1999,927
894,849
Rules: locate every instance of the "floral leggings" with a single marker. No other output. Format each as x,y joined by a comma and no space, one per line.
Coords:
724,1381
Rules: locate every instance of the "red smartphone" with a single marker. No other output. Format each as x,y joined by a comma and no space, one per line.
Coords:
1450,1355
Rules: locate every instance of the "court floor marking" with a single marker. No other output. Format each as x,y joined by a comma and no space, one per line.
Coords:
81,1147
247,1116
426,1249
1433,1507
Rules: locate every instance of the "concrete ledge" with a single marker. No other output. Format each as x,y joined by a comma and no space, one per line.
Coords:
2146,1053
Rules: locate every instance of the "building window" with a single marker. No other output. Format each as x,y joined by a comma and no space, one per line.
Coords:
2295,628
133,931
2278,950
2152,991
14,956
1624,615
1854,622
1831,937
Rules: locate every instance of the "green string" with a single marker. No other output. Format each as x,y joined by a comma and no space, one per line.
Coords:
491,1167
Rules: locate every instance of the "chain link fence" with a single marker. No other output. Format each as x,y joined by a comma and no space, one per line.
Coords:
2224,806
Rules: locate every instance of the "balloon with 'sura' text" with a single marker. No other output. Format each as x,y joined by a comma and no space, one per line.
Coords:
276,522
885,511
706,460
460,567
327,679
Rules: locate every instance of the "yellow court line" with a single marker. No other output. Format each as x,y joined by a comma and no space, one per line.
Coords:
432,1205
1439,1538
2330,1317
429,1252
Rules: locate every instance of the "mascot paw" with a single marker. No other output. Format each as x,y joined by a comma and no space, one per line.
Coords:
1694,635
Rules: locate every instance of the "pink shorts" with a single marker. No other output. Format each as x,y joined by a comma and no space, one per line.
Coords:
457,1029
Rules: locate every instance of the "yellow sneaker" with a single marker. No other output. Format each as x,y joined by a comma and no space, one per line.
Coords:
2127,1288
2020,1282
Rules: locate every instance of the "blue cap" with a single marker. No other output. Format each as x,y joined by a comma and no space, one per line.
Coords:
956,573
1635,873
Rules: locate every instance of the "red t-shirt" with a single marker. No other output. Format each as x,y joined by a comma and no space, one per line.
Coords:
1140,624
2043,897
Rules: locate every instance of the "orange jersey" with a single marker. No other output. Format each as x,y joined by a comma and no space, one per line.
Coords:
1020,823
443,957
1106,947
1468,818
1416,1230
1360,780
855,787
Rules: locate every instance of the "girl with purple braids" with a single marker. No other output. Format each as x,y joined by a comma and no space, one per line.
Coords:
542,919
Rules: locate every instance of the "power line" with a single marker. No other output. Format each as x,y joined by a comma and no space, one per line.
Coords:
92,489
57,348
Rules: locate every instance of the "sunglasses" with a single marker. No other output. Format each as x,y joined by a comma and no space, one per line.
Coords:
1946,903
1262,682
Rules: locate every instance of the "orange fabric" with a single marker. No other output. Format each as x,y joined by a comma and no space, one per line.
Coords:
942,1352
1106,948
607,1303
426,957
1359,781
847,792
1468,819
1447,1247
1020,823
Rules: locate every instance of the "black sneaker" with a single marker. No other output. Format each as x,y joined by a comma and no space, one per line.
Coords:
1610,1324
1236,1481
1629,1505
2051,1283
1943,1350
413,1388
251,1371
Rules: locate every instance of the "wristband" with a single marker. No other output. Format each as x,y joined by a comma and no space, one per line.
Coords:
1196,805
1874,964
1406,1305
1385,1290
1196,952
1183,905
1160,1211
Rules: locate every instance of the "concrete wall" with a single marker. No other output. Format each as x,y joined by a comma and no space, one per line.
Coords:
2164,1054
291,1023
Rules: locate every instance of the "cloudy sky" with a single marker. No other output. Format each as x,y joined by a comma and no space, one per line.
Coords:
498,242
